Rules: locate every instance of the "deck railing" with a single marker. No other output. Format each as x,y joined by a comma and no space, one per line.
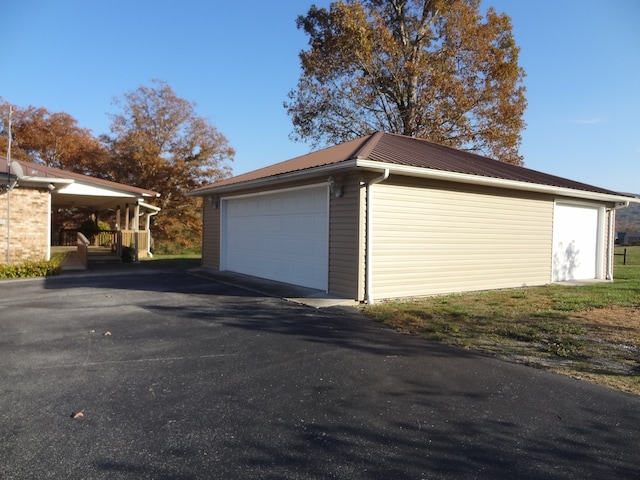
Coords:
129,240
115,239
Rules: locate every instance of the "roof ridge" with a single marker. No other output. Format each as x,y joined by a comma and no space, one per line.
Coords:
365,150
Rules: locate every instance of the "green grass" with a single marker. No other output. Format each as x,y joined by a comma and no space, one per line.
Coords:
590,331
177,256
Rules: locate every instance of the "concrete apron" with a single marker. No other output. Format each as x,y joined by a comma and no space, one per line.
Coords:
292,293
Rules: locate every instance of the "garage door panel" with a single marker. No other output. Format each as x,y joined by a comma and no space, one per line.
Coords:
281,236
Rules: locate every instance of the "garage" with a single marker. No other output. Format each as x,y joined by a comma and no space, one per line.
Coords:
575,242
280,235
388,216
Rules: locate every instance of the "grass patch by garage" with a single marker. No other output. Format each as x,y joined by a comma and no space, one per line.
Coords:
587,331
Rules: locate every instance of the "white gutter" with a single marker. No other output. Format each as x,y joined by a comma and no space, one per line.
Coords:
149,207
153,211
50,183
494,182
368,256
410,171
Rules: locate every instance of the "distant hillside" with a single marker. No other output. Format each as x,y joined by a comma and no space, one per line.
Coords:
628,219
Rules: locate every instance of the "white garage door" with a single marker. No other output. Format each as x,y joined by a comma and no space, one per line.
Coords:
281,236
575,242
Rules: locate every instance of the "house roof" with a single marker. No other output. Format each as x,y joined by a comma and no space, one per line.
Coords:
69,189
409,156
35,172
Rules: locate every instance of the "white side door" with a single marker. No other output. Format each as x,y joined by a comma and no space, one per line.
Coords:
576,244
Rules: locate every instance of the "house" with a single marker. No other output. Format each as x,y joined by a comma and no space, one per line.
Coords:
31,193
387,216
628,238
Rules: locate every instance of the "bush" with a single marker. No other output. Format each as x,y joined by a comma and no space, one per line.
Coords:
104,238
89,229
128,254
32,268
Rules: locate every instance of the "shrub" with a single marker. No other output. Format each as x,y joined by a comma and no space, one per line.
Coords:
104,238
32,268
128,254
89,229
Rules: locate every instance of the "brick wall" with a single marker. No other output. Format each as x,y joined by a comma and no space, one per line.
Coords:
29,225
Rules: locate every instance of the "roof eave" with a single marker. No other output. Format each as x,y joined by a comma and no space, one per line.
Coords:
39,181
274,179
419,172
492,182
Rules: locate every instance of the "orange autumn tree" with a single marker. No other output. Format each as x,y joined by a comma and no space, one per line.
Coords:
433,69
49,138
158,142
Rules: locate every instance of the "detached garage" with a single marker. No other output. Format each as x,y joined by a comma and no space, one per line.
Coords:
388,216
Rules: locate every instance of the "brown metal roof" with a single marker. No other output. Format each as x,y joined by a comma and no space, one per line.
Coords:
42,171
327,156
412,152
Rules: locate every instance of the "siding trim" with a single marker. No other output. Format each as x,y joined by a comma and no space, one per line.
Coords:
601,231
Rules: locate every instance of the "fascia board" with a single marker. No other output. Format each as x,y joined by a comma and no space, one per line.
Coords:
38,181
419,172
275,179
491,182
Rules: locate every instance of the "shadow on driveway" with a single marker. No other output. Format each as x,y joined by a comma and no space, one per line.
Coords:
199,379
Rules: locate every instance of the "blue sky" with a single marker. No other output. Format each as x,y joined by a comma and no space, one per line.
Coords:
237,61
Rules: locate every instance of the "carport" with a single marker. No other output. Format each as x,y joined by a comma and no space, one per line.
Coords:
37,193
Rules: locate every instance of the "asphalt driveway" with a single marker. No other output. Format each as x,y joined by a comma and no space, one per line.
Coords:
178,376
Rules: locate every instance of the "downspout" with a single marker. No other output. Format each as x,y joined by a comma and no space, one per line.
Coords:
148,230
368,256
611,235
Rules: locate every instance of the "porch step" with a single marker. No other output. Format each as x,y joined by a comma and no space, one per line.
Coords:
103,258
101,255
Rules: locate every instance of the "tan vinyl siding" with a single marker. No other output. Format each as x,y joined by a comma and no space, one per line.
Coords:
345,246
444,238
211,233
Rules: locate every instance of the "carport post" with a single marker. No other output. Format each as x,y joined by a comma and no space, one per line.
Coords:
136,228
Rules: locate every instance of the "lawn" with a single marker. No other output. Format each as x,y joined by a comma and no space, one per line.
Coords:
588,331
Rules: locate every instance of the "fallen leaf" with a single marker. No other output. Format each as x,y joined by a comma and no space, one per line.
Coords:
79,414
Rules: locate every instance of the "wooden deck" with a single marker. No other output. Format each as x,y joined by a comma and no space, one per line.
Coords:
96,255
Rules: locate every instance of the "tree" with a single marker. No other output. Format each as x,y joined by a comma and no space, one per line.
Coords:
51,139
159,143
433,69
